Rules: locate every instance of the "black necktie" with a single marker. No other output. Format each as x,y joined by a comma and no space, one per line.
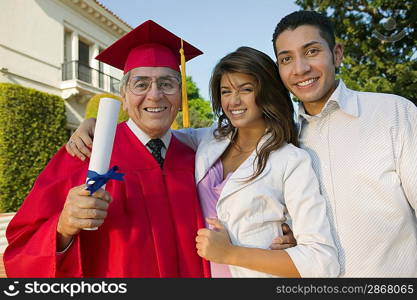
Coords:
156,145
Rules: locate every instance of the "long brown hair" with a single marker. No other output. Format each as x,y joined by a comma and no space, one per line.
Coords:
271,97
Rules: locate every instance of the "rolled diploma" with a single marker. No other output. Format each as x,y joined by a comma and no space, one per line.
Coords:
107,115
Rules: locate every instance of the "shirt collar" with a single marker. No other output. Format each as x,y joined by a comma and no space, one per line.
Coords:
144,138
344,98
347,99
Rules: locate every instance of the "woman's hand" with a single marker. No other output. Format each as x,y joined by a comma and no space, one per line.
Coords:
214,244
81,140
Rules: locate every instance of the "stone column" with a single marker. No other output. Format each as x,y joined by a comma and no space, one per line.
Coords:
74,54
94,64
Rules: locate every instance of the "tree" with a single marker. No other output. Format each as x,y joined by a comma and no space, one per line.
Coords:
379,41
92,107
201,114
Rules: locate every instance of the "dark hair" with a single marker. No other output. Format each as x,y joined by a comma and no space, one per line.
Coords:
306,17
271,97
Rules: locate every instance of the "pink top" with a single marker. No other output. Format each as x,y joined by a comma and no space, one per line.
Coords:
209,190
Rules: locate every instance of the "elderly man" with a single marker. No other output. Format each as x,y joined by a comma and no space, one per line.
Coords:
148,222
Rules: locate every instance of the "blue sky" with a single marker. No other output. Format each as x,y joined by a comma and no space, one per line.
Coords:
216,27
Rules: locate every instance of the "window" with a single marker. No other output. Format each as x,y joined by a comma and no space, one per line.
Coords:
84,70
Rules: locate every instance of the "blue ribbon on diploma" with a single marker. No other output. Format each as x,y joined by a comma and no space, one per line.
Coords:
96,181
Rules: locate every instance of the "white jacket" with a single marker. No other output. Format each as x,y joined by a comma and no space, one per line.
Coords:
253,212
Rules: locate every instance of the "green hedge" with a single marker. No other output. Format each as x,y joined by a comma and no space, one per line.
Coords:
92,107
32,129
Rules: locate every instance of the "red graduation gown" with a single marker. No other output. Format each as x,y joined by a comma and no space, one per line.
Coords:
149,231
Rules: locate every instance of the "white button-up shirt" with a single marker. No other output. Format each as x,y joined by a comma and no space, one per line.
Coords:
364,152
144,138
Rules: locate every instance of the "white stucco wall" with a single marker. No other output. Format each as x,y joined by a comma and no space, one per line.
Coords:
31,45
32,41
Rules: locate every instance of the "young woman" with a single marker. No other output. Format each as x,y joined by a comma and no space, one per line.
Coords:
251,178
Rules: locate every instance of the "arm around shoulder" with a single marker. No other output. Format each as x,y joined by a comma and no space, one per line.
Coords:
192,137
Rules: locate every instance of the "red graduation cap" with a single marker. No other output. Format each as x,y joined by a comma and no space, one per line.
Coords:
148,45
151,45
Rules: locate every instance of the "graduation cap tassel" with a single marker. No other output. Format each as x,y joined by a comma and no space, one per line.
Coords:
185,112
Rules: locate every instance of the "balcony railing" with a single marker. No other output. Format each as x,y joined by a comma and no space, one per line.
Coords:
77,70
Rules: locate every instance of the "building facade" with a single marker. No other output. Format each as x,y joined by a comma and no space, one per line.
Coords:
50,45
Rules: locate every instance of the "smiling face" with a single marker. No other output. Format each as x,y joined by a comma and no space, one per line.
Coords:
153,112
307,65
238,94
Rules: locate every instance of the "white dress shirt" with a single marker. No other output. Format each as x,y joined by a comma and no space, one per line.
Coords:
363,147
144,138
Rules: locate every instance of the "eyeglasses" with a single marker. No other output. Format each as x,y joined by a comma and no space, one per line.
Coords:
140,85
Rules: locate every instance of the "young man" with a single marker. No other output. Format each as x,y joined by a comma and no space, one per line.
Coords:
363,147
148,229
